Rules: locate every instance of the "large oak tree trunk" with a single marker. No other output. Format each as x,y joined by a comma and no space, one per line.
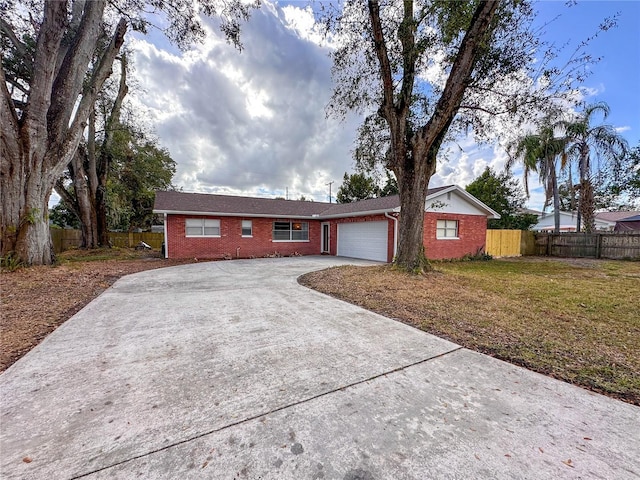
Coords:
39,142
24,225
414,149
413,185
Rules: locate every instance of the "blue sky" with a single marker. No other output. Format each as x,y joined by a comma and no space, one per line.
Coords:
617,76
254,123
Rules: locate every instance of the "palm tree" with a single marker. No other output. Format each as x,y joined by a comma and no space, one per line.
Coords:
583,138
540,153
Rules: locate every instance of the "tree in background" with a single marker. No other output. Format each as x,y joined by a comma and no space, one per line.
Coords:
49,85
390,186
617,186
61,216
585,139
138,169
357,186
83,189
425,67
543,152
503,194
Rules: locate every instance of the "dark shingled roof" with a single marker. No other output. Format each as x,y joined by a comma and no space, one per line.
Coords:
229,205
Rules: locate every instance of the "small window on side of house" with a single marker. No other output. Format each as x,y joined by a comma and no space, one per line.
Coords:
247,228
447,229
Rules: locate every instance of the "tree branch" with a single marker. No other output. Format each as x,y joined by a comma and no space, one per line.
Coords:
44,64
68,82
8,31
461,71
383,58
66,197
9,127
100,74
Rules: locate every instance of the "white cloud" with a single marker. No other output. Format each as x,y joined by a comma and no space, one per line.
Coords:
253,122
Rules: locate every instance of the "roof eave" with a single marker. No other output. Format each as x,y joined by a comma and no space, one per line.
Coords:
491,214
227,214
357,214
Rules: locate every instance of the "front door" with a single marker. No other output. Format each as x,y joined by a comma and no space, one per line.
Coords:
325,238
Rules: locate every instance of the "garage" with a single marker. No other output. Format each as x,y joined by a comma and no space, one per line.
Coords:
366,240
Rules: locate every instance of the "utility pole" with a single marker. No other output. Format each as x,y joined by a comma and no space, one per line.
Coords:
330,183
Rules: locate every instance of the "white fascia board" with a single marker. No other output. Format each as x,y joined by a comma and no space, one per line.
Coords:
490,212
358,214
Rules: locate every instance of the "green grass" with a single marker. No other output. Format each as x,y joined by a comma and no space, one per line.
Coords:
578,321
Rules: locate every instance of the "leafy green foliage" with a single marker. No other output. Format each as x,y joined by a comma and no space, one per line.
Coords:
139,167
502,193
62,217
10,262
356,187
586,144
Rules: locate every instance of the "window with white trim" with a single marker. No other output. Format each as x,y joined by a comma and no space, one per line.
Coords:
447,229
290,231
247,228
202,227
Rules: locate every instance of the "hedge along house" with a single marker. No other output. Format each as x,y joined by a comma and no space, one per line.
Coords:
209,226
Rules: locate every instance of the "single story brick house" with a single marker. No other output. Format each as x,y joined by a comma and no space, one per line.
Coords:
218,226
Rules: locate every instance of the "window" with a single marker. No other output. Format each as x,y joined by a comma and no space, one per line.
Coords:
202,227
290,232
247,228
447,229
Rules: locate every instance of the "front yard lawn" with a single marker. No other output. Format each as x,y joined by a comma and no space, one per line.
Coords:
576,320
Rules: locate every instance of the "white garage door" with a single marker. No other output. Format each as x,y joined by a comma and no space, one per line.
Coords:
367,240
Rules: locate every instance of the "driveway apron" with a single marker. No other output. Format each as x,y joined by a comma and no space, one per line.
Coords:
233,370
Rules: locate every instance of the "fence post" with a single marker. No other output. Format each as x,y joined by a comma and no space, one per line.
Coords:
598,245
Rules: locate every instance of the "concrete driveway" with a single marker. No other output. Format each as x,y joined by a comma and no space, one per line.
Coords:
232,370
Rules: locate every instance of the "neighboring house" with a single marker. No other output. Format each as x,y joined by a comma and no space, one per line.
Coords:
568,222
217,226
613,217
628,225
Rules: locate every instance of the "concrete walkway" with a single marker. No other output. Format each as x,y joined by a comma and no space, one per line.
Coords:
231,370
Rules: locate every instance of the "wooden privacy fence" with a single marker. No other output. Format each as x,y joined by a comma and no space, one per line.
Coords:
510,243
590,245
65,239
130,239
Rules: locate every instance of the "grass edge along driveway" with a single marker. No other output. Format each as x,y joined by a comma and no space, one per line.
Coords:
575,320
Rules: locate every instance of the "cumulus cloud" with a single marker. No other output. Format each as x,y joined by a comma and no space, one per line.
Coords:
250,122
253,122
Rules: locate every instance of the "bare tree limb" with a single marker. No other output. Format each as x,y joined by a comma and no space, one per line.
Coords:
100,74
49,38
9,127
8,31
461,70
68,83
383,58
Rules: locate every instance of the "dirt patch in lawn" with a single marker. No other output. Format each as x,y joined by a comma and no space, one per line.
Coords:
36,300
574,321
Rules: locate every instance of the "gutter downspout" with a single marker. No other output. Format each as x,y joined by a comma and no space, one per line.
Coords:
166,239
395,233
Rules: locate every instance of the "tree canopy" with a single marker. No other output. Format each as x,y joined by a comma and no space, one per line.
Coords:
502,193
423,71
55,58
357,186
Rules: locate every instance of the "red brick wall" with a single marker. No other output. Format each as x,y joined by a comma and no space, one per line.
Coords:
368,218
180,246
472,233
